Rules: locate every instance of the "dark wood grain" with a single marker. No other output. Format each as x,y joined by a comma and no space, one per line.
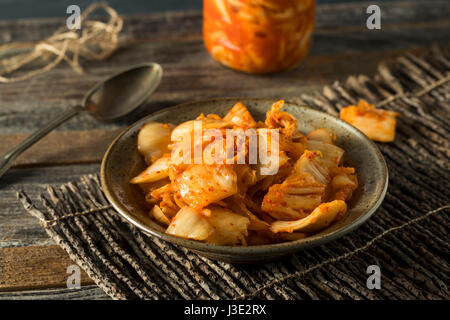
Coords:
88,292
342,47
58,148
181,83
24,268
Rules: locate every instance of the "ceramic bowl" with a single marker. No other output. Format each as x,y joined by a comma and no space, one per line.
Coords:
122,162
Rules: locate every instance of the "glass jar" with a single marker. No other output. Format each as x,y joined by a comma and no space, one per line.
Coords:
258,36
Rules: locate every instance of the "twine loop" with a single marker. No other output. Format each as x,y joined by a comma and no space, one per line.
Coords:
96,40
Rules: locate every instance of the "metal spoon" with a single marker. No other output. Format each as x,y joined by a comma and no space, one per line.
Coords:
113,98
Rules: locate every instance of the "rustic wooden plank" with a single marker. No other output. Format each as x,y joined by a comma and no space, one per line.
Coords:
392,13
89,292
65,147
182,81
25,268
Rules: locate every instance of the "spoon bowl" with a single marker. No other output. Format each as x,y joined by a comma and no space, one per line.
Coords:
123,92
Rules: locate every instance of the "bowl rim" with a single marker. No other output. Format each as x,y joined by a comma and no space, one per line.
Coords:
280,248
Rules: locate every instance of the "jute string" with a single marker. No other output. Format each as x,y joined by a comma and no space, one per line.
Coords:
96,40
53,222
417,94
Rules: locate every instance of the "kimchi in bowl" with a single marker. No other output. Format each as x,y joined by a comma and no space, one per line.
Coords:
122,162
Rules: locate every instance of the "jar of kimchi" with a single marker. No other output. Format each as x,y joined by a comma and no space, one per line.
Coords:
258,36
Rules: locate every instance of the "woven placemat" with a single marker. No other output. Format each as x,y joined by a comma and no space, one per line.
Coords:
407,237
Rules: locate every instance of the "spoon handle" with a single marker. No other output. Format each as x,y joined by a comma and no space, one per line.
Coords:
7,160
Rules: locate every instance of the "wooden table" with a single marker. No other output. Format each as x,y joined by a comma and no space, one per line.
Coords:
32,265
